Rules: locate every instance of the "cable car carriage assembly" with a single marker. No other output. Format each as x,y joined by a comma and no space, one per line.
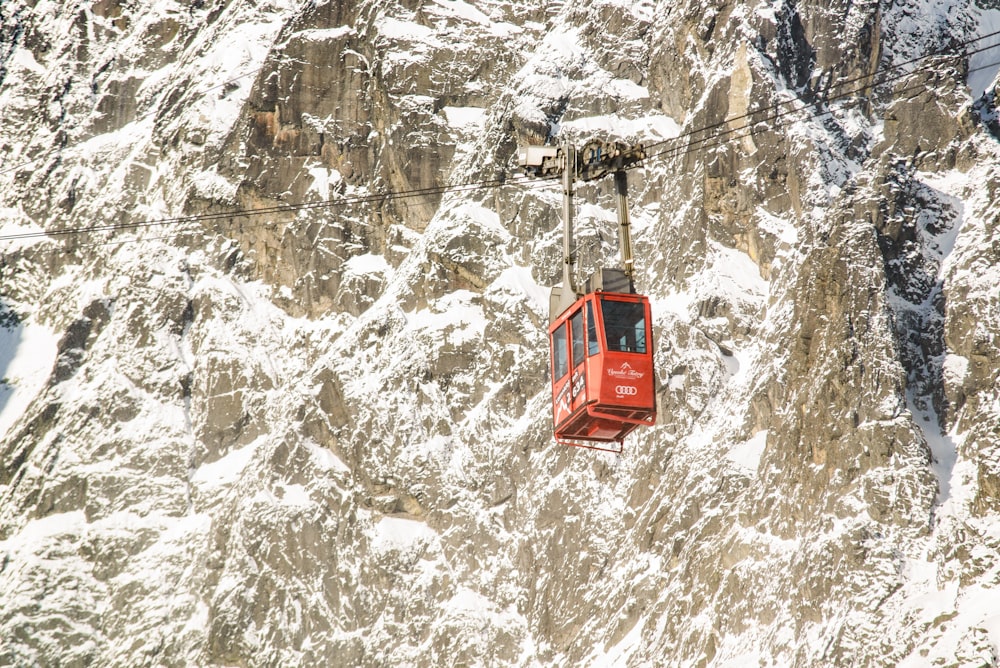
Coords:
601,335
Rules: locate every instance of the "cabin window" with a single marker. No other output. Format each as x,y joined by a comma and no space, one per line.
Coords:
593,344
560,361
624,326
576,324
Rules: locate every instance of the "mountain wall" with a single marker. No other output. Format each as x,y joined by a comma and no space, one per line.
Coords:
256,411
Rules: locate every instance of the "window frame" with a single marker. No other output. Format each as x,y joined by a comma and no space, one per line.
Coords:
555,340
593,339
633,330
578,345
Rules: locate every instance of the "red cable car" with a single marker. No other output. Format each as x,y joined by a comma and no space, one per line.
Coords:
602,369
601,337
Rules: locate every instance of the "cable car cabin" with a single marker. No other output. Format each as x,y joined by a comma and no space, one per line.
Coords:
602,369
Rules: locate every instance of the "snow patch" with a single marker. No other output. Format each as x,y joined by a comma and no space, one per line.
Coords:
747,454
678,303
654,126
955,479
210,185
406,31
366,264
465,119
27,354
325,34
323,180
24,59
294,494
520,281
464,11
781,228
41,532
736,272
617,654
454,318
226,470
954,369
325,459
394,533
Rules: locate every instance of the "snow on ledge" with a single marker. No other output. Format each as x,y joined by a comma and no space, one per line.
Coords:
366,265
747,454
398,533
656,126
518,279
325,458
406,31
618,654
325,34
324,180
226,470
467,119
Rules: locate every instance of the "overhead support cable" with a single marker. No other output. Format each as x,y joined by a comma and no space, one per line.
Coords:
772,115
717,139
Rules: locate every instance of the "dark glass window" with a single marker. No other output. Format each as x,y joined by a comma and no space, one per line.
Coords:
624,326
593,345
576,324
560,361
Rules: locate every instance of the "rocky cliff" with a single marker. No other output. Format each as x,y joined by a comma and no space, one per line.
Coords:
257,410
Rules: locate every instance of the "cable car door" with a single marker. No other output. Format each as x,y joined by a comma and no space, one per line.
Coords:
569,380
578,381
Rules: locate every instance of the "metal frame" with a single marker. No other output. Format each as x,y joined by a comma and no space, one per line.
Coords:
587,444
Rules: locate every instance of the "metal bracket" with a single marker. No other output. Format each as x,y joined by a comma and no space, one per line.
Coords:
597,158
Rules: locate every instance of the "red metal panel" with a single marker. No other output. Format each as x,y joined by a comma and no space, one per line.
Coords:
610,393
627,381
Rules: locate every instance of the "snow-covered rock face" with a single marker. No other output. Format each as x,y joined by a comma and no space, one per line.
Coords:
321,435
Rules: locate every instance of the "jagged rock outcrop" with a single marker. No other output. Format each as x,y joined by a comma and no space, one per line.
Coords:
320,435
